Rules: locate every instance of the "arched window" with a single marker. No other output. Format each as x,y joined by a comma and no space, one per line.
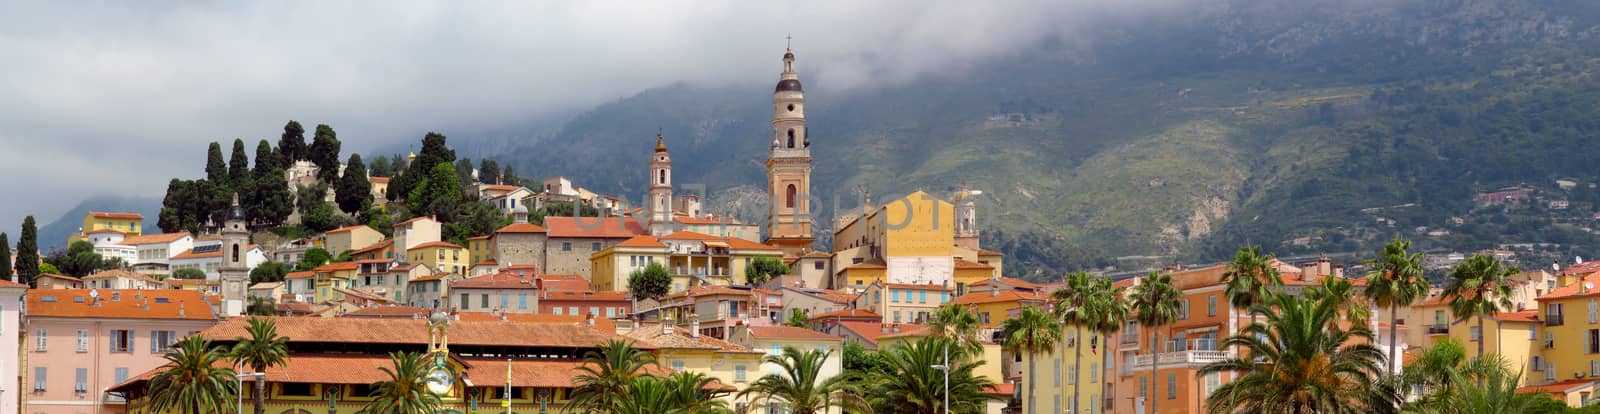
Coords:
791,137
790,198
235,253
662,176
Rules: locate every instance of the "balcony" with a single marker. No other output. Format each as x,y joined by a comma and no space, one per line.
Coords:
1554,320
1175,359
1130,338
1438,329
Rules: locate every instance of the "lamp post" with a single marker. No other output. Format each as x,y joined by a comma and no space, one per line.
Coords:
946,368
241,378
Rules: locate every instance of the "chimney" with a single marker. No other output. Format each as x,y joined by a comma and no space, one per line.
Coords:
1308,272
1338,270
589,320
666,327
181,313
1324,266
694,326
994,291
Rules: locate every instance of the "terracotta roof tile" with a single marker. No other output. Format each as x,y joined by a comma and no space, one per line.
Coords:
967,264
120,273
872,331
996,297
390,312
116,215
7,283
521,228
564,283
1575,289
1010,281
742,244
415,332
443,244
848,313
102,231
788,332
651,333
127,304
641,241
1558,388
612,296
377,180
154,238
591,227
384,244
1530,315
495,281
603,324
345,229
300,275
335,267
478,238
689,235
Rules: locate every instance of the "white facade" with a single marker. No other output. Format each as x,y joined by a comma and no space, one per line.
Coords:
160,253
211,263
11,297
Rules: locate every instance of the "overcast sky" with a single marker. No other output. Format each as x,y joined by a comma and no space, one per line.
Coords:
118,97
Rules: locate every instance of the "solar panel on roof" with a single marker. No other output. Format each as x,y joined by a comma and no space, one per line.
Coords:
207,248
161,300
47,298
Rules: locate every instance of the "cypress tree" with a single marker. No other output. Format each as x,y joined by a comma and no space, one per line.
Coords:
238,166
292,144
354,192
5,258
270,201
28,251
488,171
325,153
216,169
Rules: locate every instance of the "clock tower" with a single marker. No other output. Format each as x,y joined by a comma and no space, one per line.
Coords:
660,189
789,166
235,269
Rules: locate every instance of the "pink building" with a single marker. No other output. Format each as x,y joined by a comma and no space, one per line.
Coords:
79,342
11,294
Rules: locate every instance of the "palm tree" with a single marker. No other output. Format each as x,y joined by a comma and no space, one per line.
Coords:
264,348
196,379
406,390
644,395
798,319
1111,315
1479,287
1155,304
1433,373
1342,294
261,307
798,382
691,394
606,373
909,382
957,323
1073,309
1396,280
1298,362
1033,331
1250,279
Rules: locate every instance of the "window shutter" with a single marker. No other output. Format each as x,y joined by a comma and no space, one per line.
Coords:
153,348
39,379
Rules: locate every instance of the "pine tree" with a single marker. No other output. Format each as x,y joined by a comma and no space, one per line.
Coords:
325,153
5,258
270,201
508,176
238,166
292,144
379,167
28,251
354,192
216,169
434,151
488,171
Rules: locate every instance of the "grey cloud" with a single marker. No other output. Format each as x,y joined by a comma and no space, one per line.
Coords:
115,98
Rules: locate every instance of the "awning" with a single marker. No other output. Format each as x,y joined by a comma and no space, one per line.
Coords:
715,244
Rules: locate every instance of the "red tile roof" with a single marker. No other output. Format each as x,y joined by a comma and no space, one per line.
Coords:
641,241
603,324
300,275
154,238
966,264
1530,315
1009,281
987,252
100,231
742,244
592,227
495,281
1000,390
499,187
345,229
390,312
378,179
447,245
412,220
994,297
116,215
1557,388
689,235
908,331
383,244
872,331
119,273
867,264
478,238
128,304
564,283
651,333
1575,289
415,332
848,313
706,290
7,283
335,267
789,332
611,296
521,228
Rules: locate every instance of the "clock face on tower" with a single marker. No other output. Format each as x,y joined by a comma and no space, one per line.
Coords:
439,380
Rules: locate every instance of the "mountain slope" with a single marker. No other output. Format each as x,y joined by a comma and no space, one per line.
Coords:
53,235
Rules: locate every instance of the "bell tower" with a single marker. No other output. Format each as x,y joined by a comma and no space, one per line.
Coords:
660,189
789,166
235,269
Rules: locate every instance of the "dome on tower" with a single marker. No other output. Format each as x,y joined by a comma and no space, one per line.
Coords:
235,212
661,143
788,85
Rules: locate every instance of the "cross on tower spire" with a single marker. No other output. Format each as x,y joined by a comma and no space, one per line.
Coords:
788,42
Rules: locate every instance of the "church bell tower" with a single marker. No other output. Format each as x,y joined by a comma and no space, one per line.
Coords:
660,189
789,166
235,269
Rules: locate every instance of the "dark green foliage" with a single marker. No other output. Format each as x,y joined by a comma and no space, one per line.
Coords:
268,272
397,165
314,257
80,260
439,194
5,258
509,177
1036,255
354,192
560,209
488,171
433,153
764,268
188,204
380,167
292,144
28,251
472,219
216,168
378,219
651,282
315,213
269,202
861,360
324,152
464,177
266,158
238,166
798,319
189,273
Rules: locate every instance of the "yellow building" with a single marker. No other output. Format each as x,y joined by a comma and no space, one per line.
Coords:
478,248
693,259
995,306
332,276
1072,368
679,349
1570,346
130,224
350,238
903,303
441,257
910,240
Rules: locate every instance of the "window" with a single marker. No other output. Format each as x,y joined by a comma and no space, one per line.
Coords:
1594,311
1533,332
922,296
1094,372
120,376
464,301
483,300
1211,306
1143,386
566,246
83,340
505,300
817,265
1057,375
789,199
1477,335
557,310
740,373
80,380
40,340
594,310
572,310
677,365
522,301
944,297
1553,316
39,378
1213,380
611,312
121,340
894,295
896,316
594,247
1172,386
1594,367
296,390
161,340
1072,375
1183,309
1591,342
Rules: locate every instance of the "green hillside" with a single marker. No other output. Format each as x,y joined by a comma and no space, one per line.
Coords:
1246,122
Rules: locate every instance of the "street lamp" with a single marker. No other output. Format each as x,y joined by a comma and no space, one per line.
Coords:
241,378
946,368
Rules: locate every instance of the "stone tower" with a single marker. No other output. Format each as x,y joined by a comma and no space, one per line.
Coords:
235,269
966,219
789,166
660,189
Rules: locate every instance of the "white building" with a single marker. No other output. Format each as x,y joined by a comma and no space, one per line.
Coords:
207,256
11,299
109,243
152,253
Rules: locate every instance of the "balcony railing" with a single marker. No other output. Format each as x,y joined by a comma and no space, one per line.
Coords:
1130,338
1189,358
1438,329
1554,320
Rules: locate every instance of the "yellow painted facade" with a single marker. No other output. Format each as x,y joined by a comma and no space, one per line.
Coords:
122,222
610,268
442,258
330,277
478,248
1067,371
